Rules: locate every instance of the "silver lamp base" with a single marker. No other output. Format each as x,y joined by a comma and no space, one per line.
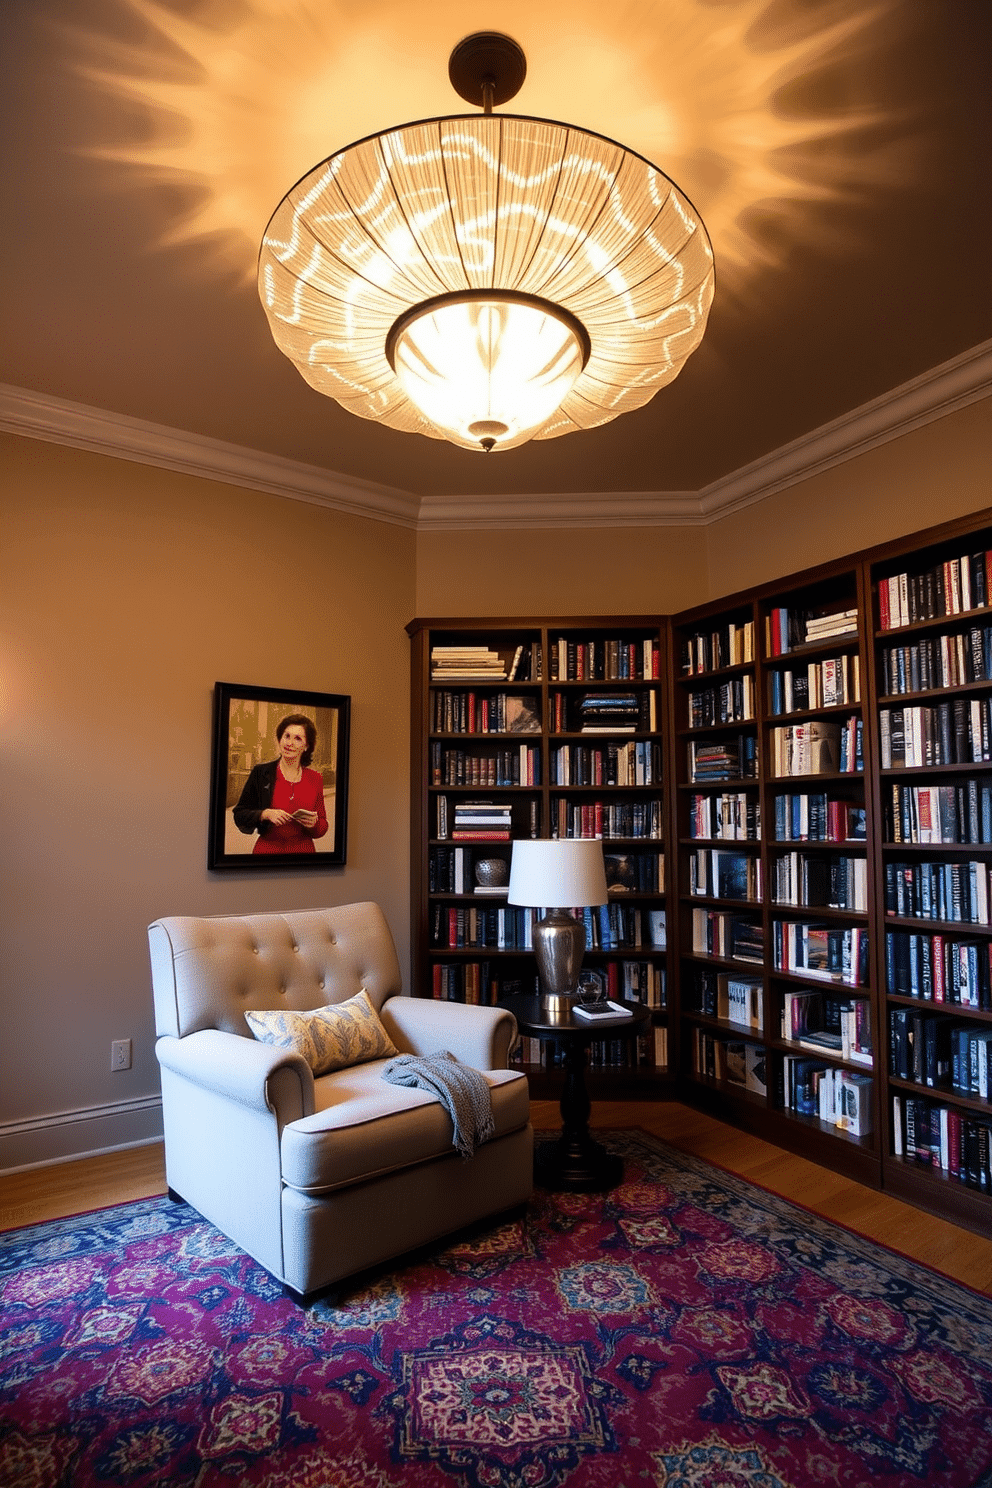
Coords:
559,945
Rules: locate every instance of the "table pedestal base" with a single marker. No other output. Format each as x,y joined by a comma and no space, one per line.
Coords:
564,1166
575,1162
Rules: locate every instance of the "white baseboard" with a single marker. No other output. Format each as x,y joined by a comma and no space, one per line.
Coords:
65,1136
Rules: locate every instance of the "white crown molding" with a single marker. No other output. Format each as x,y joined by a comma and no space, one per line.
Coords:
570,509
39,416
933,395
954,384
944,389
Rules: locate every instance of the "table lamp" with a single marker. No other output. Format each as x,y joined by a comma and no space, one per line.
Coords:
557,876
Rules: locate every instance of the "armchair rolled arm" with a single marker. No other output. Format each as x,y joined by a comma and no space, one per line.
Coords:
479,1036
257,1075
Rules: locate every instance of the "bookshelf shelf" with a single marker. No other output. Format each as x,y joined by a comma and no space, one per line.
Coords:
733,684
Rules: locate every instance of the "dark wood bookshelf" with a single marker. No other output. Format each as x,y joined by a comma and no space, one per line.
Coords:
867,582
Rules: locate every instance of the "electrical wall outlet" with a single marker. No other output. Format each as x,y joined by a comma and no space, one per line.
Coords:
120,1054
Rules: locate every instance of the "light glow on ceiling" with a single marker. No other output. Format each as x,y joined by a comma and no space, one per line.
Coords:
238,99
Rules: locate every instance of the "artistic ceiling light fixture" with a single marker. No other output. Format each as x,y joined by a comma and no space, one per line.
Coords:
487,278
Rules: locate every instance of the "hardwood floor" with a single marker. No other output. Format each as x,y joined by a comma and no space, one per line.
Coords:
92,1183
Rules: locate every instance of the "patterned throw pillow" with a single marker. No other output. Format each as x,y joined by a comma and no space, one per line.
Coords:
329,1038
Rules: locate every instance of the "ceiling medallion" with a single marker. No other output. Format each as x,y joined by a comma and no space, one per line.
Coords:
487,278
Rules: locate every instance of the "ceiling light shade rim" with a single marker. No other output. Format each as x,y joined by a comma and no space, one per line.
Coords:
487,296
344,257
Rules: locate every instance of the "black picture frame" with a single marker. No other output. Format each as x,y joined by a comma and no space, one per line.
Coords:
244,738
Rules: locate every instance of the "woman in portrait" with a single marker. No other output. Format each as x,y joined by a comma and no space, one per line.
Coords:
283,799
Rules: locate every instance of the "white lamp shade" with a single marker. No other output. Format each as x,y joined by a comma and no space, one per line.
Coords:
566,874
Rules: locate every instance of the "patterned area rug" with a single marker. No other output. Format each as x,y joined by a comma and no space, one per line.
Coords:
685,1331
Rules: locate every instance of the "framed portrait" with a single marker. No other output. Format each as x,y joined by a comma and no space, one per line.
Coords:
279,785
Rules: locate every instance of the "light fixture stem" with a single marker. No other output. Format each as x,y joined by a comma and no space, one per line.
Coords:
488,93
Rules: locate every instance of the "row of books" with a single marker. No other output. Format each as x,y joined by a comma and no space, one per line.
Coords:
472,713
731,759
731,937
614,927
630,981
933,1135
816,817
828,952
833,881
957,892
936,1051
730,1061
828,1025
726,645
841,1098
727,995
733,816
824,684
931,814
718,873
787,627
469,981
611,820
520,765
820,747
958,732
482,927
730,702
603,660
949,588
937,968
637,762
939,661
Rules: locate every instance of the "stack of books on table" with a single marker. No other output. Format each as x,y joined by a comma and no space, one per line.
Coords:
481,821
466,664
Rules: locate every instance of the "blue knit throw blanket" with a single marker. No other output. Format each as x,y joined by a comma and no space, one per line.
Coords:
460,1089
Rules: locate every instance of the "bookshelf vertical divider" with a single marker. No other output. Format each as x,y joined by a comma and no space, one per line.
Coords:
815,802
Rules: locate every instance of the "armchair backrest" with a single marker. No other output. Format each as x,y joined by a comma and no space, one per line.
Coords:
207,973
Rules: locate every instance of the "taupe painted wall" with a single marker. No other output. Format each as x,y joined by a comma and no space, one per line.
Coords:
929,475
562,571
128,592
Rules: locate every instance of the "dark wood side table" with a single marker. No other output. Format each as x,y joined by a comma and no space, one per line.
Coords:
574,1160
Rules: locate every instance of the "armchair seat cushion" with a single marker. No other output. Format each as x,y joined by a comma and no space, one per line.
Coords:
377,1127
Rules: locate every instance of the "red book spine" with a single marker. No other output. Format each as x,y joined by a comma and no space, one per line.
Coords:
883,604
436,976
